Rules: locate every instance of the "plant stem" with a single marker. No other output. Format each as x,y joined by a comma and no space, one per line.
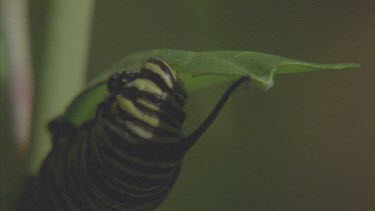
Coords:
62,70
15,98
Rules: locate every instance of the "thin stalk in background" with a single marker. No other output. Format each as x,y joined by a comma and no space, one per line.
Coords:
62,71
17,47
16,98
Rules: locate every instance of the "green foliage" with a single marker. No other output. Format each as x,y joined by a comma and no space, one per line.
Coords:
198,70
306,29
260,67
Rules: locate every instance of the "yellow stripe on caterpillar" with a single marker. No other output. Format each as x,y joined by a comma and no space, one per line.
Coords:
169,68
148,105
156,69
138,130
128,106
146,85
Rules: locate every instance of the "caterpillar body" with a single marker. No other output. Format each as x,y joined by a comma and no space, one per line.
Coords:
129,156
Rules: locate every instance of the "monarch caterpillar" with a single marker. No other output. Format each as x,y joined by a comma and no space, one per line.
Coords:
129,156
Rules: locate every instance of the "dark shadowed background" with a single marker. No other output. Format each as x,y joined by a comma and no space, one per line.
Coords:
308,143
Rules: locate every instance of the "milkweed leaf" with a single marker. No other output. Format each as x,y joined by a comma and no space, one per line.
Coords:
260,67
198,70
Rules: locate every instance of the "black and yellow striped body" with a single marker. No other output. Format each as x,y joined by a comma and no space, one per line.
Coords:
130,155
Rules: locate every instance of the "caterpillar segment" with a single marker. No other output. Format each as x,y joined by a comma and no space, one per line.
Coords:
129,156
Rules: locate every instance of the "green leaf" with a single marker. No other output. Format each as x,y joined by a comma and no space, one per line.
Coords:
260,67
198,70
83,107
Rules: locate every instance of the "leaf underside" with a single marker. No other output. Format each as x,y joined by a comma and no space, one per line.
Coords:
198,70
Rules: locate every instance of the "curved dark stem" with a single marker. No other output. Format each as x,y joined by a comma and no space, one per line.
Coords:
193,137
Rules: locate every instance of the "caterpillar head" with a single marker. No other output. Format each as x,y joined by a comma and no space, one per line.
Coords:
118,80
148,105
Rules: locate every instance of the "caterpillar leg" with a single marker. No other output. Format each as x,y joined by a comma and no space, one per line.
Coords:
193,137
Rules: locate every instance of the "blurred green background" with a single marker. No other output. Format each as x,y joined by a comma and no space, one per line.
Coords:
308,143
